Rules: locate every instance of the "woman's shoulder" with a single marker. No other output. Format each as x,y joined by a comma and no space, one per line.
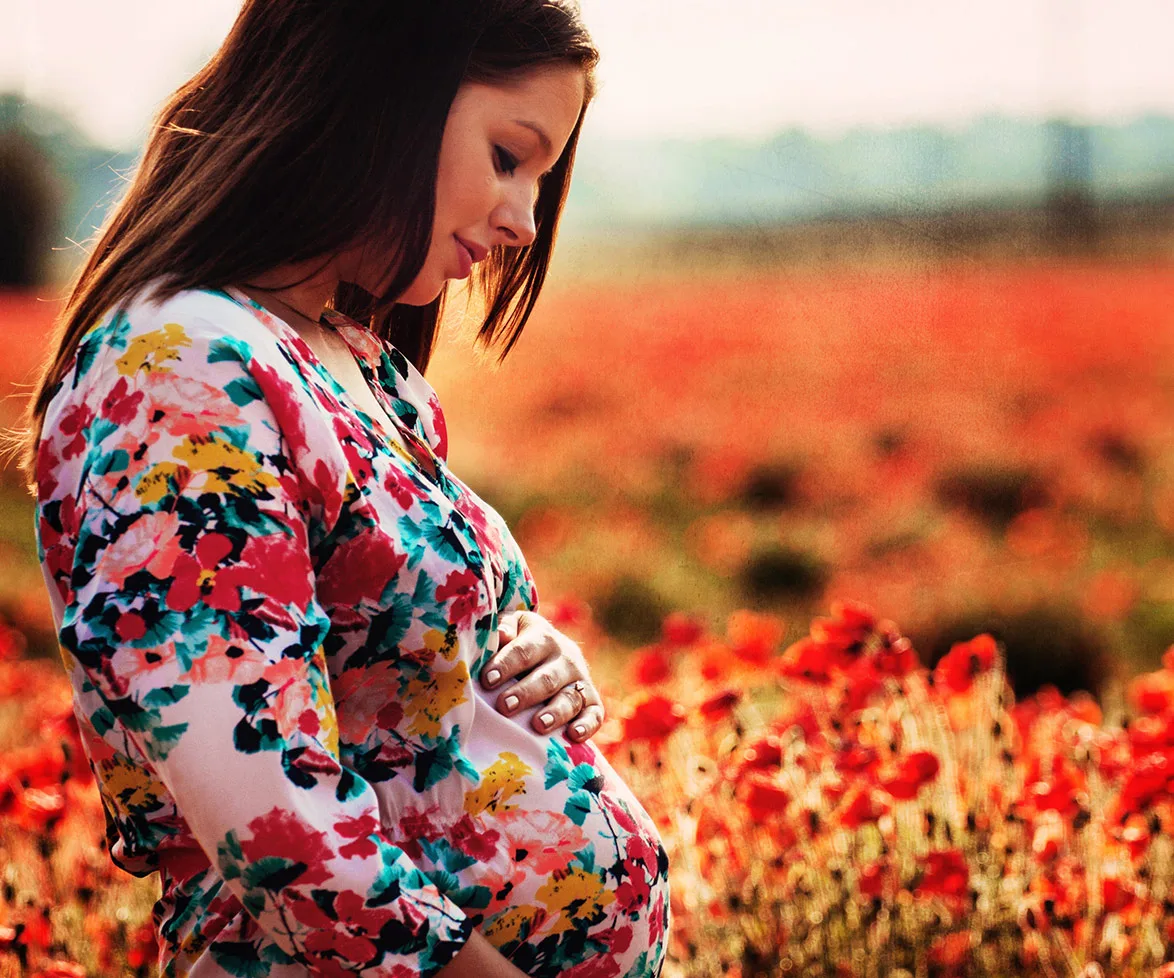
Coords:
206,313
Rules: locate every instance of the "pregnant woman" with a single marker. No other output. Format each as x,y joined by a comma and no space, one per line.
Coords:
306,658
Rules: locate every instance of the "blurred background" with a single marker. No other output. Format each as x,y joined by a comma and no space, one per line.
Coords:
852,300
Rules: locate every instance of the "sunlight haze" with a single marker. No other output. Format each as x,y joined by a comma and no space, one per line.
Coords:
697,68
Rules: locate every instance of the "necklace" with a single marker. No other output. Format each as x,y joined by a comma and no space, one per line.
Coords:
297,312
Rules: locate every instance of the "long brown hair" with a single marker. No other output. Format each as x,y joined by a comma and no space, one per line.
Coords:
317,126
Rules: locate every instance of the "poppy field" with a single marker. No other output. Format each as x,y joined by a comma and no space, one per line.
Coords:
729,488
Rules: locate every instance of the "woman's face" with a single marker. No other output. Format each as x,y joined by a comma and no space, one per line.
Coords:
499,140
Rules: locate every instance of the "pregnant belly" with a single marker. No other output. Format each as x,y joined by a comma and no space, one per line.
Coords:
553,857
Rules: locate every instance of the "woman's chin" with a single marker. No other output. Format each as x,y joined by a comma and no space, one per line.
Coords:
420,293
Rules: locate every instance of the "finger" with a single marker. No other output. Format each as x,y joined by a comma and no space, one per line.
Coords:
587,724
538,686
561,710
520,655
507,628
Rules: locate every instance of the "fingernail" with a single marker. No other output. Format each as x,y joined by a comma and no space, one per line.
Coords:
492,676
511,702
546,719
580,729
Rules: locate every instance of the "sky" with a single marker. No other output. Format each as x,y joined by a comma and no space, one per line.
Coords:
682,68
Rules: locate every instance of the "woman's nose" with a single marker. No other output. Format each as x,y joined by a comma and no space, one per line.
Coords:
515,220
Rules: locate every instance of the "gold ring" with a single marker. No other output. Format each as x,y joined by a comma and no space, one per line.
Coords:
579,688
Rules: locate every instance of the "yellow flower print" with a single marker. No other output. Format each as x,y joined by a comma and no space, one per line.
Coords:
503,779
575,894
133,789
324,702
224,465
429,699
151,350
514,924
442,643
161,480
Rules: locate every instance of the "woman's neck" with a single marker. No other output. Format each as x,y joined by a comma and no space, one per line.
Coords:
314,286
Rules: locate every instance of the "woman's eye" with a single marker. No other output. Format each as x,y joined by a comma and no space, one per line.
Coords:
506,161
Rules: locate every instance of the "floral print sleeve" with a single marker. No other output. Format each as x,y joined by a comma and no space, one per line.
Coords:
274,609
175,493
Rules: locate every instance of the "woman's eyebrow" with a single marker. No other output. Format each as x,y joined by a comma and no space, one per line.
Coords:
537,130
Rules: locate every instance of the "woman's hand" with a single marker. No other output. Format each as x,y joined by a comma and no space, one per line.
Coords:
550,664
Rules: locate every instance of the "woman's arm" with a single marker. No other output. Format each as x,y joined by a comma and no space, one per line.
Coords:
174,521
480,959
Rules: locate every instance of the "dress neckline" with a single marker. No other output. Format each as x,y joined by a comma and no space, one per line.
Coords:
334,319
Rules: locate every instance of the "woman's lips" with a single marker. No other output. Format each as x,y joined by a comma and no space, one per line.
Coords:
470,253
465,256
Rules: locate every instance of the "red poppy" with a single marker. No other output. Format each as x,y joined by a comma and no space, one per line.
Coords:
871,881
144,946
764,753
1153,692
720,704
914,770
807,659
951,950
861,806
847,630
895,657
754,637
679,628
1117,895
653,718
651,665
958,668
945,874
763,797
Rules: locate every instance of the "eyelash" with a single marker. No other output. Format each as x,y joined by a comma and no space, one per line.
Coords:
506,161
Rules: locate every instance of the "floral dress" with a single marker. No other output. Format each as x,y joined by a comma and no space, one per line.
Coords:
274,611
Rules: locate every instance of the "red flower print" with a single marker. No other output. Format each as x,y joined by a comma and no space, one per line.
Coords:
196,578
463,589
945,874
633,893
580,753
119,405
130,627
653,718
359,570
281,834
596,966
275,566
359,829
348,933
73,424
481,845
